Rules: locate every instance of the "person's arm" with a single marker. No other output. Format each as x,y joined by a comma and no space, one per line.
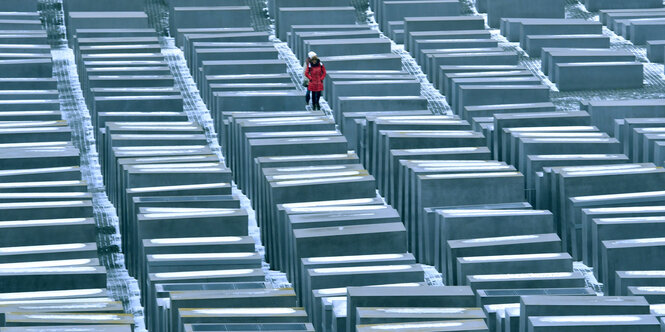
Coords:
307,73
323,72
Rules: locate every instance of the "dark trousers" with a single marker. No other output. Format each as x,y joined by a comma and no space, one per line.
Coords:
316,95
307,96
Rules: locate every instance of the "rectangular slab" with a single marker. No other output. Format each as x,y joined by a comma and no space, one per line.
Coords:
450,296
521,263
600,323
305,15
599,75
496,9
531,306
535,44
631,251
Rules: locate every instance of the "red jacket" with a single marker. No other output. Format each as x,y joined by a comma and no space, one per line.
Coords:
315,74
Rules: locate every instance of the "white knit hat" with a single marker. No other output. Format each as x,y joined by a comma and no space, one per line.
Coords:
311,54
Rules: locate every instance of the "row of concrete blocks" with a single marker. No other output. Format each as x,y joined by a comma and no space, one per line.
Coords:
609,258
526,136
125,137
569,57
538,238
633,122
51,271
313,201
569,276
637,25
313,218
183,231
476,47
600,160
25,49
641,139
257,203
469,48
326,271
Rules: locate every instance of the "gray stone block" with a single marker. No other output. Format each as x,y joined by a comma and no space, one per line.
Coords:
209,17
435,325
256,315
369,315
636,323
531,306
642,31
414,36
387,61
457,225
630,254
527,280
451,77
277,100
19,5
473,95
321,242
536,163
181,32
301,39
350,46
189,39
599,75
656,50
371,88
496,314
104,19
603,113
486,297
286,17
634,227
326,278
104,322
531,27
637,279
381,103
34,68
85,6
443,71
507,120
552,56
595,5
534,44
574,182
496,9
274,6
243,298
503,245
236,67
399,10
441,23
443,44
458,84
295,29
520,263
405,297
438,138
397,170
346,261
467,58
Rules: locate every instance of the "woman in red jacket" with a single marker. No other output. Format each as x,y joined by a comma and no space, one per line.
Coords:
315,72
